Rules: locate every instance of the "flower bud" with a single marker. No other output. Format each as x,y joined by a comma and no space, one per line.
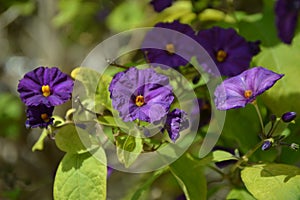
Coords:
267,145
288,116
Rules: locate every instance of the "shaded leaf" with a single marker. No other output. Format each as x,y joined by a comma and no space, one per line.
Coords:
81,176
272,181
190,177
128,149
73,139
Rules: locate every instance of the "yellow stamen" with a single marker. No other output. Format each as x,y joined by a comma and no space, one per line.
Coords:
170,48
221,56
46,90
247,94
45,117
139,101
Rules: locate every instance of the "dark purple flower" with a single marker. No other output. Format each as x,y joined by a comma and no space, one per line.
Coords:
288,116
169,48
141,94
176,121
231,53
286,19
160,5
242,89
39,116
43,85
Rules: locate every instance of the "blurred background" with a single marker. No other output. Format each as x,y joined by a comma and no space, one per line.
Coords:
61,33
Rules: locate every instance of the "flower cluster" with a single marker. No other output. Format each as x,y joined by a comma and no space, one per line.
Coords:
41,90
143,94
230,52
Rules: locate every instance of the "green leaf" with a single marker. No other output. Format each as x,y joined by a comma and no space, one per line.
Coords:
272,181
190,177
131,13
219,156
73,139
145,186
81,176
128,149
239,194
39,145
96,87
284,95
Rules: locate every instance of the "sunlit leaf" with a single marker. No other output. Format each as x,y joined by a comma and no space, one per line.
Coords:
239,194
272,181
190,177
219,156
81,176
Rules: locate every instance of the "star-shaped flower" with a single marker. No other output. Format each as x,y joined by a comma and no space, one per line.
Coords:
141,94
47,86
231,53
39,116
237,91
169,48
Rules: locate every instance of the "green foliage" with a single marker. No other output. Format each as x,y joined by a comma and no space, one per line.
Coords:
284,96
96,93
190,176
219,156
272,181
128,149
239,194
73,139
81,176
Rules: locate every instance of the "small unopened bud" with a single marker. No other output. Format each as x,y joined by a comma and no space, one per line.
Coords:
267,144
288,116
273,118
294,146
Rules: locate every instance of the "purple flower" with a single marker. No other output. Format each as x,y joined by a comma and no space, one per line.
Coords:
242,89
39,116
267,144
141,94
170,48
286,19
176,121
231,52
43,85
160,5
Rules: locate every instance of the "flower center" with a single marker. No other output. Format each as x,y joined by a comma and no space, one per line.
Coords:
221,56
46,90
170,48
247,94
45,117
139,101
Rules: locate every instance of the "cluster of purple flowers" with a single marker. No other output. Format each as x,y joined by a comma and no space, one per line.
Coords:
41,90
143,94
173,49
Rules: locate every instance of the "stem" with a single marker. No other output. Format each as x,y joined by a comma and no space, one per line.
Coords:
117,65
77,100
260,117
246,157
